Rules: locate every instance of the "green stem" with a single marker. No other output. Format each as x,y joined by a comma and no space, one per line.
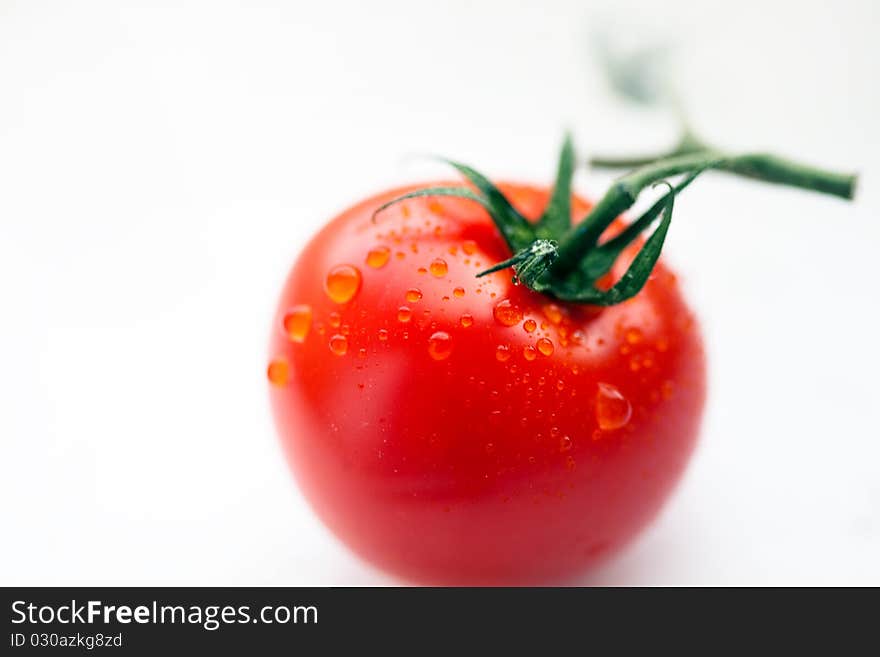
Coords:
689,156
778,170
759,166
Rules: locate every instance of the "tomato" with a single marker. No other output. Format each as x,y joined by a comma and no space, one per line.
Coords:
461,430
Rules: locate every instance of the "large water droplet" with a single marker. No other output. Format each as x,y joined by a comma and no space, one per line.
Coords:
545,346
502,352
552,312
413,294
507,314
278,372
339,344
438,267
404,314
297,322
440,345
633,336
343,283
613,410
378,256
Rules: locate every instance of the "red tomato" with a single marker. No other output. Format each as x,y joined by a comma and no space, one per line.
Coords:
457,430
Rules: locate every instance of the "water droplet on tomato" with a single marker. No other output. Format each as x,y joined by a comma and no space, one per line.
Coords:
613,410
545,346
278,372
564,444
404,314
633,335
552,312
383,335
466,320
530,325
378,256
421,270
507,314
469,247
343,283
413,295
297,322
502,352
339,344
529,352
438,267
458,292
440,345
334,319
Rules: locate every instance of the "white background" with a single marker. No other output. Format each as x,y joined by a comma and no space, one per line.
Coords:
161,166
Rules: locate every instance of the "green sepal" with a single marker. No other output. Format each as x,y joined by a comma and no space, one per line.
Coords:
597,262
635,277
556,218
456,192
516,230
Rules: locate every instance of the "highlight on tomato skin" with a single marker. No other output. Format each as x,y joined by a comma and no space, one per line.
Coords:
460,430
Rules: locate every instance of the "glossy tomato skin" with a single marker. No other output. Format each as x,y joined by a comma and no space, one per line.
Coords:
436,432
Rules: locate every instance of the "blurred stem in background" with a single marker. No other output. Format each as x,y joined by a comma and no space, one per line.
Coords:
643,76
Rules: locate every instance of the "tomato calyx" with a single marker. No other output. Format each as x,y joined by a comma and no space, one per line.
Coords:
565,262
529,264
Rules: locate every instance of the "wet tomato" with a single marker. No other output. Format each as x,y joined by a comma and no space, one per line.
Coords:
454,429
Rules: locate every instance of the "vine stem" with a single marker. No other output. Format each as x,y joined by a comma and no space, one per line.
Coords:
760,166
689,156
